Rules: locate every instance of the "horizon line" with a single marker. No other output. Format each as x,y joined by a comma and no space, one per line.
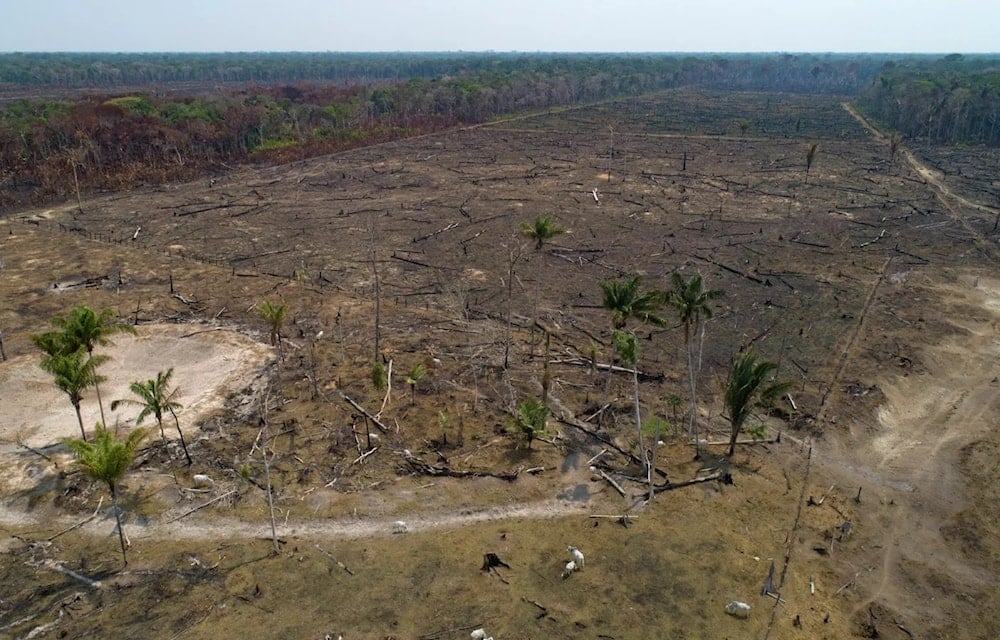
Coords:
500,51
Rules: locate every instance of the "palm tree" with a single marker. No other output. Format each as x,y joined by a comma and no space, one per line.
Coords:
73,373
540,231
531,417
82,327
51,343
106,460
156,398
413,377
690,299
627,345
750,383
625,300
274,316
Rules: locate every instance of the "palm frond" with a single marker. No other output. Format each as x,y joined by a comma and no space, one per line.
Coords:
106,458
541,230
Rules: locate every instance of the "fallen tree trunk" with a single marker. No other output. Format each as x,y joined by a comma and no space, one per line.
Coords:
584,362
723,476
443,470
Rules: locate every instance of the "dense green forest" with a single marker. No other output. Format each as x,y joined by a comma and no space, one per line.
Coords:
114,121
950,100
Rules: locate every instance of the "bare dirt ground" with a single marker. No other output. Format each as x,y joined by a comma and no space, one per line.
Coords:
874,287
213,363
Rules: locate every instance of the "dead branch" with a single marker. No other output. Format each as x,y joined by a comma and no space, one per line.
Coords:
434,233
337,562
723,476
585,362
378,423
730,269
421,264
194,333
821,245
55,566
212,208
774,440
364,455
388,389
879,237
198,508
612,482
444,470
573,422
80,523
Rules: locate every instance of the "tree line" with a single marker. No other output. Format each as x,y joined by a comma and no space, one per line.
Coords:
949,100
794,72
50,148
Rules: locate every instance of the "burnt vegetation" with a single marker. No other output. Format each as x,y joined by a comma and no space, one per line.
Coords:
675,170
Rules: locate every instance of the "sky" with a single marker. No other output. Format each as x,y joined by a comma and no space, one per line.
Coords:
904,26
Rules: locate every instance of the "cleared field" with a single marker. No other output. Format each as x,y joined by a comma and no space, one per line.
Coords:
867,286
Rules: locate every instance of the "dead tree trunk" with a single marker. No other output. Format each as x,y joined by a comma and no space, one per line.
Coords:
378,287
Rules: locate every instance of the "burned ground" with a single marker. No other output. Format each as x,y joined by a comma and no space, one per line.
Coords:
852,276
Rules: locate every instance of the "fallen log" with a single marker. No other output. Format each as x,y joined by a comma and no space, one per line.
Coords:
334,560
378,423
612,482
723,476
730,269
585,362
201,506
55,566
444,470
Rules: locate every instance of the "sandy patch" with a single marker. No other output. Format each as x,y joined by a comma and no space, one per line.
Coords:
208,364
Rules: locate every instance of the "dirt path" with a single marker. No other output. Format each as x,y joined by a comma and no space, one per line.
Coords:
935,179
214,526
911,459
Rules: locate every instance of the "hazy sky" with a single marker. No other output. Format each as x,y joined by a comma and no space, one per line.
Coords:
934,26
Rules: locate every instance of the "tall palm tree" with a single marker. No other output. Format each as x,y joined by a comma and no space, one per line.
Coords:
106,460
82,327
625,300
691,301
51,343
155,399
274,316
627,345
73,373
750,383
540,231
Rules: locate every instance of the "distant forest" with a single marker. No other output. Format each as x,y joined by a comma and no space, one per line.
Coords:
115,121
